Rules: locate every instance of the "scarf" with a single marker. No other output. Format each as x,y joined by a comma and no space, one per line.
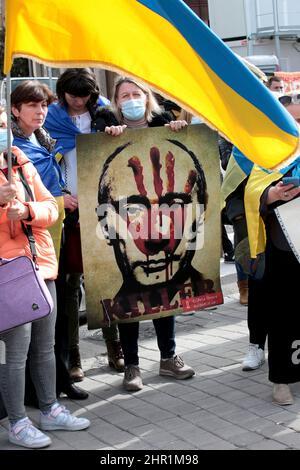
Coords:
60,126
43,158
42,136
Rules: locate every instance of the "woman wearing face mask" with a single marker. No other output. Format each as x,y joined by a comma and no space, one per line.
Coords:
134,107
35,339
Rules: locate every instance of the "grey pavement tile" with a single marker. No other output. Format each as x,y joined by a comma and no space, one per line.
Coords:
282,414
271,430
103,408
172,423
295,425
244,439
250,402
125,420
179,444
151,413
110,434
219,444
134,444
153,435
236,396
247,420
195,397
211,402
265,410
195,435
289,438
267,444
208,422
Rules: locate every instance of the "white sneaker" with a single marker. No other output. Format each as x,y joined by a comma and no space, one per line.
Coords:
254,358
24,434
60,418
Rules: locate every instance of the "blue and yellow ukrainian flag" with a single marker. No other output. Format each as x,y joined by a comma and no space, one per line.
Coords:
163,43
259,180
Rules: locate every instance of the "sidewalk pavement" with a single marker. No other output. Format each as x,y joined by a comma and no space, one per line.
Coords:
222,407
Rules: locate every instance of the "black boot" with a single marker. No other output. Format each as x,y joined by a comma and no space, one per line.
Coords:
75,369
115,355
73,392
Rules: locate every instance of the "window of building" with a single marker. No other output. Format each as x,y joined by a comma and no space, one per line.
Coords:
200,7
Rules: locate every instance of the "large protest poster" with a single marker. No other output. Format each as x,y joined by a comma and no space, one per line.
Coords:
150,223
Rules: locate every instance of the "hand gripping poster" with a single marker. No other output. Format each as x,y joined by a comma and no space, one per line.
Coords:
149,209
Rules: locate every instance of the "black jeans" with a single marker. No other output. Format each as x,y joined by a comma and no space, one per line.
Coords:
165,332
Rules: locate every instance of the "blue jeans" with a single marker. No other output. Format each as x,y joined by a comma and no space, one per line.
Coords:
165,332
37,341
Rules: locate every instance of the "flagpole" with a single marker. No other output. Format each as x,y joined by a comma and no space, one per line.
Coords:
9,157
8,110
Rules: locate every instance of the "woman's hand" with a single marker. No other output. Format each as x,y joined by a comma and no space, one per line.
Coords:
71,202
17,211
176,125
7,193
115,130
282,192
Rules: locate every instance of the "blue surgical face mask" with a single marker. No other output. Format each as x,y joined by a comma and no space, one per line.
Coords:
3,139
196,120
134,110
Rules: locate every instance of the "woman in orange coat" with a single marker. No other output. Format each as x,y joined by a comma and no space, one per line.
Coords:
36,338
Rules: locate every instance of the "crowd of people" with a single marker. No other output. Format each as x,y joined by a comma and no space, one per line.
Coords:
43,358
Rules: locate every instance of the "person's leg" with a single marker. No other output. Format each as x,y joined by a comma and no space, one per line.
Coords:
129,333
64,383
242,282
42,366
257,324
227,246
240,233
165,333
170,364
12,386
257,312
42,358
12,372
115,354
72,295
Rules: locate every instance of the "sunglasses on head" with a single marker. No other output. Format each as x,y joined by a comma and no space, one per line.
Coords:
286,100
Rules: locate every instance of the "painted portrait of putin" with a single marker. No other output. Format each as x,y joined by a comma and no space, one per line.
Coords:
151,210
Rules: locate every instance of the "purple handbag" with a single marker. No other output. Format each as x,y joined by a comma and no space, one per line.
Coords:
24,296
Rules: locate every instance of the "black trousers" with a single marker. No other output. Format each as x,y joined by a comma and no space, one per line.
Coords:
257,312
282,287
165,332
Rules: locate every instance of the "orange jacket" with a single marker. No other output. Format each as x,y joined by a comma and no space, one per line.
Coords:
43,211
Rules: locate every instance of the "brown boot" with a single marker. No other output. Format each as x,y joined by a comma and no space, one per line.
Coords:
243,289
75,369
115,355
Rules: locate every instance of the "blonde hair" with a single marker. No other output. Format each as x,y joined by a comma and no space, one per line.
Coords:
152,106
